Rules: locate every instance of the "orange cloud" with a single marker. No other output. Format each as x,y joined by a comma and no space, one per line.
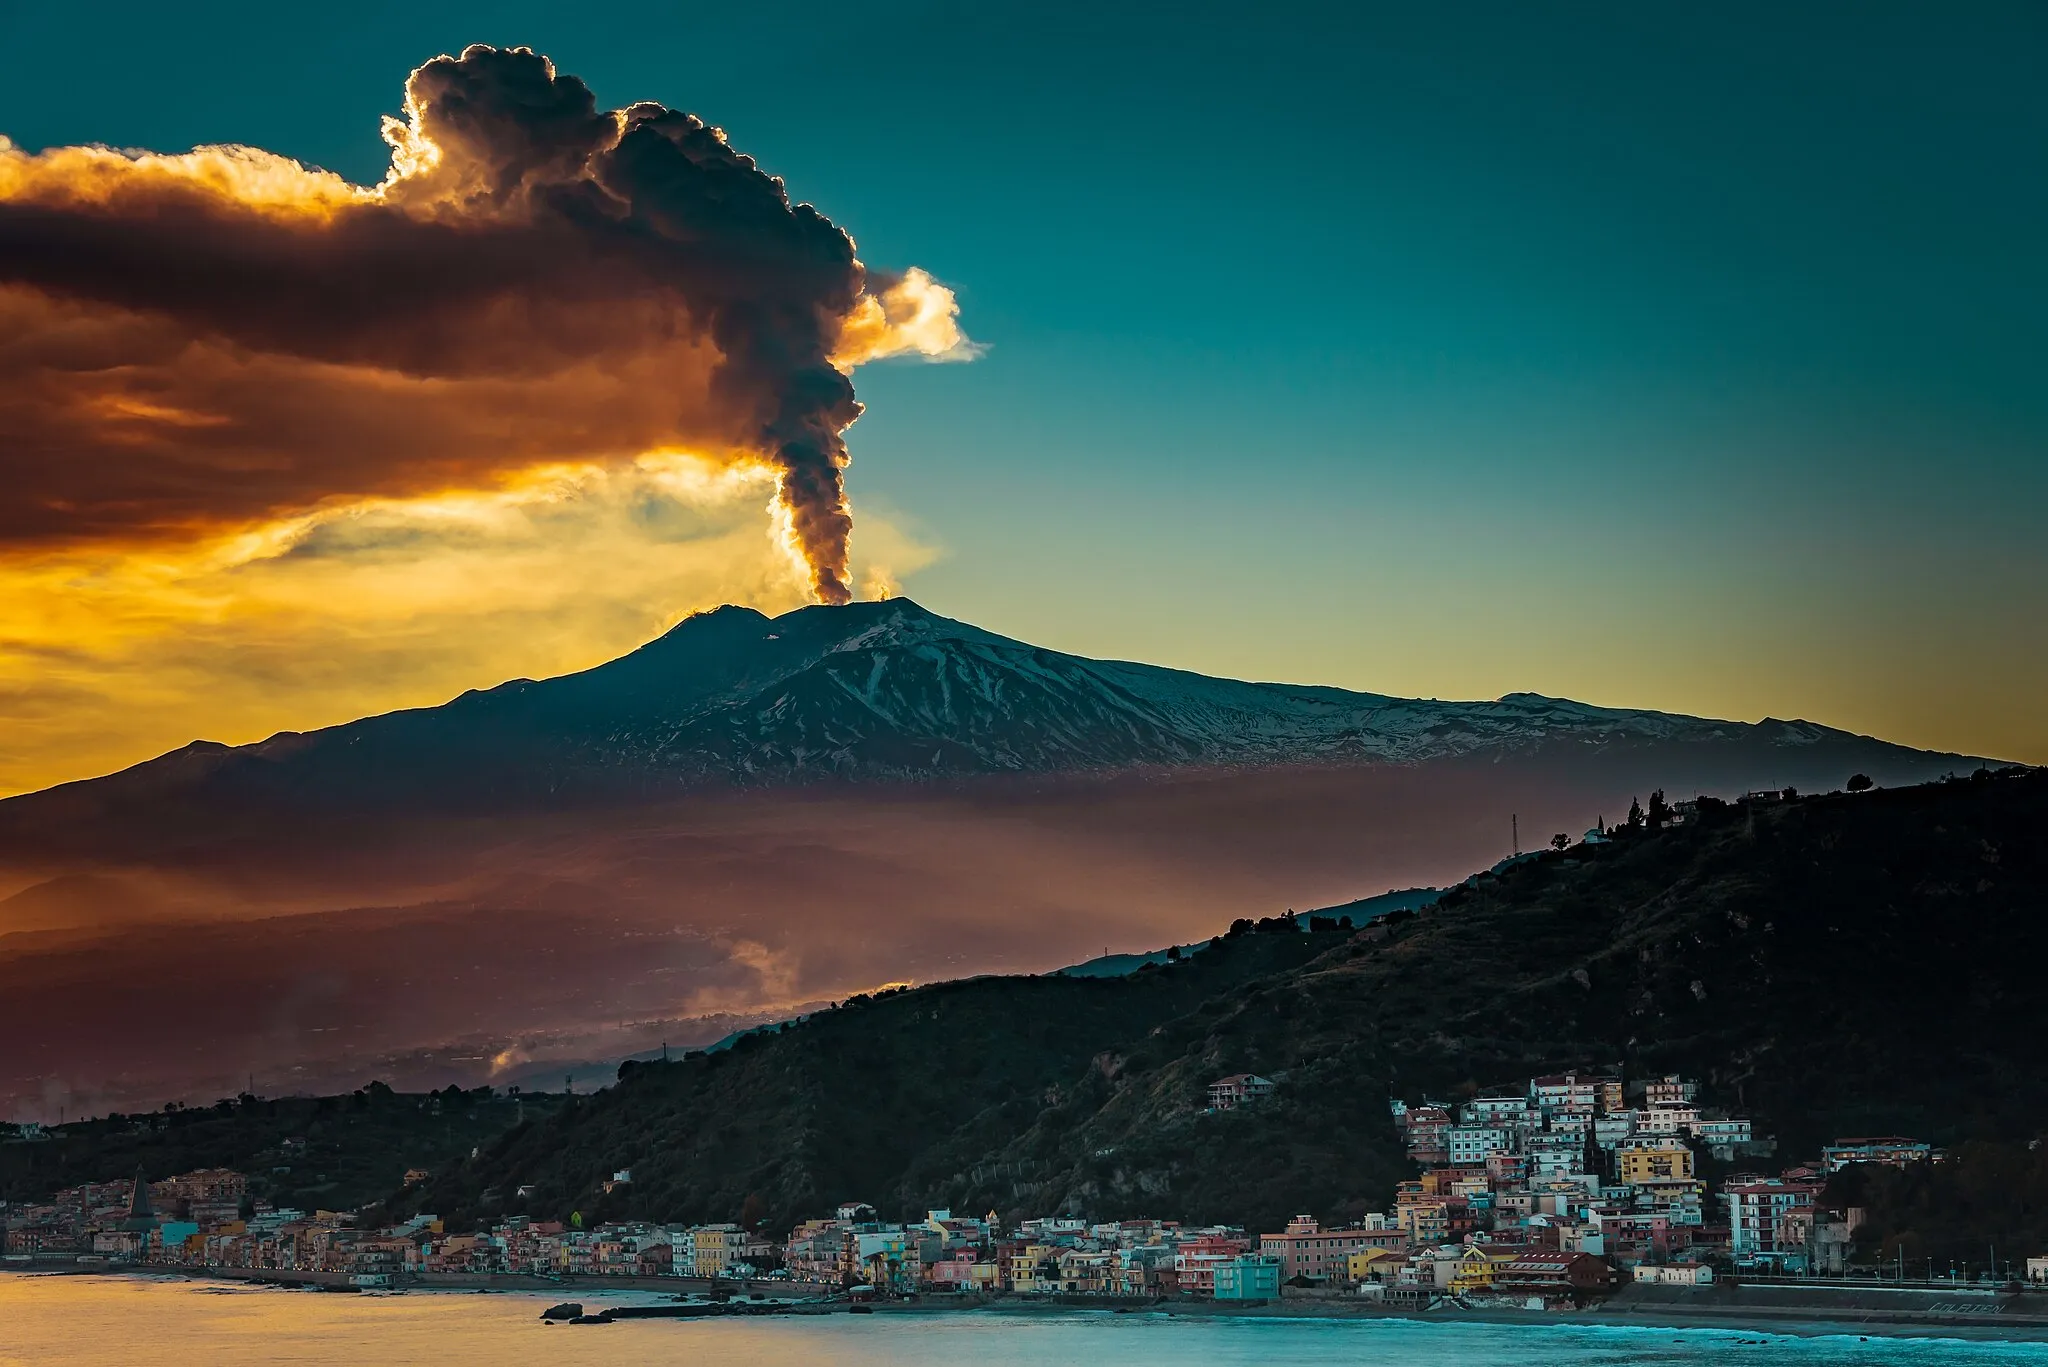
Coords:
111,654
191,344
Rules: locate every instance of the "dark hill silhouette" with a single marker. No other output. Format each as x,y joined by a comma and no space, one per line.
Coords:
1845,964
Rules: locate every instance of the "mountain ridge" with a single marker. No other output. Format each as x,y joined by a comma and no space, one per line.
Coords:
884,691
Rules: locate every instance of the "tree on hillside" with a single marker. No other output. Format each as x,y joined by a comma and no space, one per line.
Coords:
1635,815
1560,840
1660,811
1858,783
1988,1196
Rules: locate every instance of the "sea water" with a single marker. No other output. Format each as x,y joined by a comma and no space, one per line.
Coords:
90,1321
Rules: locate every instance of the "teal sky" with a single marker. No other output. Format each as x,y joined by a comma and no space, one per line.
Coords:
1687,357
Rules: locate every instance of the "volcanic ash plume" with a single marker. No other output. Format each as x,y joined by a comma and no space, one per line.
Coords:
209,340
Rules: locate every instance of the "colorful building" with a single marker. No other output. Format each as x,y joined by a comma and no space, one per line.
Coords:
1248,1277
1757,1211
1306,1249
1643,1162
1373,1265
1196,1260
1239,1089
1891,1151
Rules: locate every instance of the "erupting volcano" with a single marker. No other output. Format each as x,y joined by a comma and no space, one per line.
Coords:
215,340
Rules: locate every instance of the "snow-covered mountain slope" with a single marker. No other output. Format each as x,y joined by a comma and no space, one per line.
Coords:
885,691
890,689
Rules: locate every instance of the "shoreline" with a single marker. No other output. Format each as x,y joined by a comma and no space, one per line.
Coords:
1809,1320
1774,1310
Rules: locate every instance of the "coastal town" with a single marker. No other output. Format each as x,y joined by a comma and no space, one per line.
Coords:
1549,1194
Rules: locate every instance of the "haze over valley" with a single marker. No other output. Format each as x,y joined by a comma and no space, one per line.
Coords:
751,815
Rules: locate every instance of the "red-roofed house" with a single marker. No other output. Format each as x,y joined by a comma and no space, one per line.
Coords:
1229,1093
1551,1274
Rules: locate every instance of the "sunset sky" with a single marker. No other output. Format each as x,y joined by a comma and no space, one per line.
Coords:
1607,353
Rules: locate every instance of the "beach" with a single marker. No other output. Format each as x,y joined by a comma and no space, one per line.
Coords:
1779,1311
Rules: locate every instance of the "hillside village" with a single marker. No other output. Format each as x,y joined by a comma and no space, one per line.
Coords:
1546,1194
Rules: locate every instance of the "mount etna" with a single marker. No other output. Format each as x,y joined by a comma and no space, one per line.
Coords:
746,815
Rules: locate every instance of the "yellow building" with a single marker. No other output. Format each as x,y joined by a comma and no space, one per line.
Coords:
715,1247
1373,1264
1660,1161
1426,1223
1478,1268
1035,1268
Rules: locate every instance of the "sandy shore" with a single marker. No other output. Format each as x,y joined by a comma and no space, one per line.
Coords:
1773,1310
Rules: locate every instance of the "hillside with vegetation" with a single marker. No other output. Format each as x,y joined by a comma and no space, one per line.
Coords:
336,1152
1852,963
859,1100
1985,1207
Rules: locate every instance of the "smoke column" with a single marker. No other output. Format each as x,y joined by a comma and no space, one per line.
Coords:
207,340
